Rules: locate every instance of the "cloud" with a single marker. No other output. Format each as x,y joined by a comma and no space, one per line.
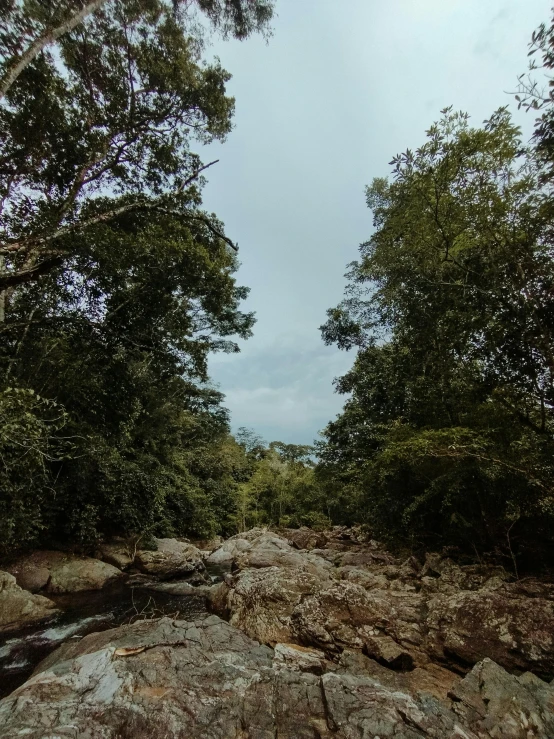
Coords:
283,389
320,111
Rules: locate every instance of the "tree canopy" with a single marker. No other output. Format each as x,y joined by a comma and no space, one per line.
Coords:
115,285
448,433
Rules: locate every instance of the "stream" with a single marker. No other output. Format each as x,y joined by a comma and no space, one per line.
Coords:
83,613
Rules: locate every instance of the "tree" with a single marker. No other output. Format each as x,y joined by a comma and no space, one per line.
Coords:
448,433
536,97
99,102
115,285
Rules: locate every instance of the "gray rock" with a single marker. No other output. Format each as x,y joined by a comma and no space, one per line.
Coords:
120,554
296,657
262,601
20,608
502,705
400,614
305,538
168,679
81,573
386,624
60,572
228,551
516,632
172,558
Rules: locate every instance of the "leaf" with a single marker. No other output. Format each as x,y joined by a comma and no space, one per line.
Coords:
128,651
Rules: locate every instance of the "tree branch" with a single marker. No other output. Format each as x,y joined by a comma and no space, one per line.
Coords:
45,40
8,280
194,175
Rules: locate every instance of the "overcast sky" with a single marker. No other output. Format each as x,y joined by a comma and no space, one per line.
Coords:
321,109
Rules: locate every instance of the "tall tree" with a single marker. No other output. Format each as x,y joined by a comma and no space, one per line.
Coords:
115,285
99,102
449,430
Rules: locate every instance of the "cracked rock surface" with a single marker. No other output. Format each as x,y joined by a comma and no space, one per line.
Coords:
352,594
166,679
325,635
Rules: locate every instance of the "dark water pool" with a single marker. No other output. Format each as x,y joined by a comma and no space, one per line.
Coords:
84,613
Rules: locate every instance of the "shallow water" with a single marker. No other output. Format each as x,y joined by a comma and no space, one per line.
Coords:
82,614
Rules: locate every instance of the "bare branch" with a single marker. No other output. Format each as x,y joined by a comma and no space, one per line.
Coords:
194,175
45,40
203,220
14,279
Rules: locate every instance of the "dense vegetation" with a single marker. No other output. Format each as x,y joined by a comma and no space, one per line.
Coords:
447,436
115,285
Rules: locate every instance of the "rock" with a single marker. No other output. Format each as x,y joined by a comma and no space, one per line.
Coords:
20,608
181,588
387,625
502,705
442,575
33,579
366,558
167,679
367,579
305,538
262,601
264,553
260,549
400,614
228,551
58,572
32,571
171,559
218,598
518,633
329,555
208,545
431,679
81,574
295,657
119,554
386,651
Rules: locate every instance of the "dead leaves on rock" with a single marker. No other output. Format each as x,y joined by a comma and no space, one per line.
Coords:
128,651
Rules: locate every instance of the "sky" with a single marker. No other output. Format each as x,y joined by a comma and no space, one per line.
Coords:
321,109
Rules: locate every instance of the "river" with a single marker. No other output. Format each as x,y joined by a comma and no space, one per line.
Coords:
83,613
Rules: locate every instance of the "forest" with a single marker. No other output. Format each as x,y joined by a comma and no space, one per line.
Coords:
116,285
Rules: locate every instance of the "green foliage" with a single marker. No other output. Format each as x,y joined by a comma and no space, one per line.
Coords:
277,486
447,437
30,442
98,111
114,284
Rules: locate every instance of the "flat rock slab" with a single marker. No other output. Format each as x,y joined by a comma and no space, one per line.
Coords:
168,679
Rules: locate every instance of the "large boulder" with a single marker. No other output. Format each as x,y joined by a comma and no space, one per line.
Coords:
81,573
496,703
516,632
228,552
19,608
305,538
59,572
169,679
387,625
261,601
171,559
119,553
259,549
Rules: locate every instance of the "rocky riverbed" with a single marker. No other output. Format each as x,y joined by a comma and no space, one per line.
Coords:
310,635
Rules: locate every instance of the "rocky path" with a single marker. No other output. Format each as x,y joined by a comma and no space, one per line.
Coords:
317,635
